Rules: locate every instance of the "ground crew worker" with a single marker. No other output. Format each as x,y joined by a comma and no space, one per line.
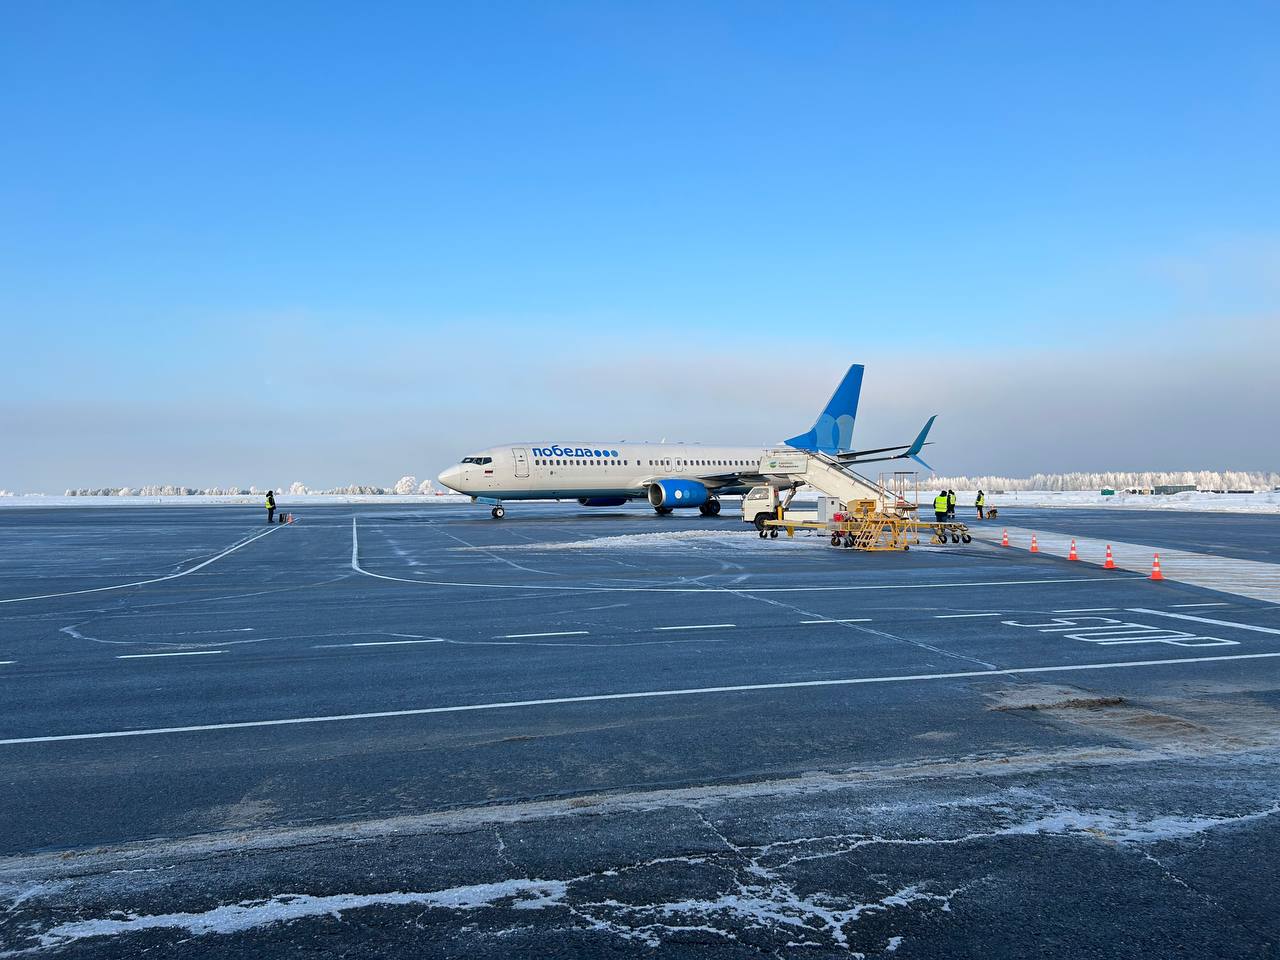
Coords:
980,503
940,507
951,504
271,505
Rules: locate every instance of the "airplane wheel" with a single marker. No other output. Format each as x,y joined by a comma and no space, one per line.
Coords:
714,507
499,513
662,511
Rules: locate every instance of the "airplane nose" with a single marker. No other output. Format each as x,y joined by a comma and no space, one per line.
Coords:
451,477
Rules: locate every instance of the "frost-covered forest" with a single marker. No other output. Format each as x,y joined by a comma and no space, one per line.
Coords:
409,485
1117,480
405,486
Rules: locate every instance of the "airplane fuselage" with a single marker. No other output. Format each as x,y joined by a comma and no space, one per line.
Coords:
536,471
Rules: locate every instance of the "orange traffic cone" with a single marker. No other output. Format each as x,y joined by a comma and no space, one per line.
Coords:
1034,546
1004,541
1072,554
1111,563
1155,568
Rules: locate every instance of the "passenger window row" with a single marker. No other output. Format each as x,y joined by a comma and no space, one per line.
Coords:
701,463
582,463
626,463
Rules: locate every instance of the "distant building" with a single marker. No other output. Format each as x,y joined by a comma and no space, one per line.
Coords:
1166,489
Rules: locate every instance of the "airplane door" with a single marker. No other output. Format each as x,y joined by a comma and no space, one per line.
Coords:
522,461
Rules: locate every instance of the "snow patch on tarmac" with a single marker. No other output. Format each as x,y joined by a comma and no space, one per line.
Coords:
762,891
669,538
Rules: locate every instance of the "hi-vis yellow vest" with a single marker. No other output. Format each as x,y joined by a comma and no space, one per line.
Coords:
981,499
940,503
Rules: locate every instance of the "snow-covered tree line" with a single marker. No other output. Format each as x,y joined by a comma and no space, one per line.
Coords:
1117,480
405,486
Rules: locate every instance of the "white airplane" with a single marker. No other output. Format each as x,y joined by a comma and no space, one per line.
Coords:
669,475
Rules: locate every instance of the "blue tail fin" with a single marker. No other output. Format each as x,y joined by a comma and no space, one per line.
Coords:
833,430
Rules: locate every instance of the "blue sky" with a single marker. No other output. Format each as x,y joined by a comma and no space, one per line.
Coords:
254,243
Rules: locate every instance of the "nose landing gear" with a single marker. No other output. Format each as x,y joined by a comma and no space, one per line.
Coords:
498,513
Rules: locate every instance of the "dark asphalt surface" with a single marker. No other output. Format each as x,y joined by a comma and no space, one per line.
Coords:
1155,776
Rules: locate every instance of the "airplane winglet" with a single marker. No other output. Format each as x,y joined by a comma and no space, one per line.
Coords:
918,445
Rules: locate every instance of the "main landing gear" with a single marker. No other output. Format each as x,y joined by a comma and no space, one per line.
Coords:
662,511
498,513
710,509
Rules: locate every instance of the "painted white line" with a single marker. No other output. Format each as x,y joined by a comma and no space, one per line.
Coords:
1180,605
1209,620
5,663
558,633
846,620
1087,610
376,643
699,626
143,583
184,653
961,616
736,591
637,695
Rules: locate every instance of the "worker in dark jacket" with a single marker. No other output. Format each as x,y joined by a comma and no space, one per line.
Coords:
980,504
951,504
271,505
940,507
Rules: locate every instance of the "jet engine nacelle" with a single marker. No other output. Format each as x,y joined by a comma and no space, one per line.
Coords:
602,501
677,493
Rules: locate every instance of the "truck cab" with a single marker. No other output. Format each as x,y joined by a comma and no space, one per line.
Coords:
763,502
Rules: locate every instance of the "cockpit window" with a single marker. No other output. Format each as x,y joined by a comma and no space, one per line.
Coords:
477,459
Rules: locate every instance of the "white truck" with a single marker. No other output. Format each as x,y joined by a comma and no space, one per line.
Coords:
762,503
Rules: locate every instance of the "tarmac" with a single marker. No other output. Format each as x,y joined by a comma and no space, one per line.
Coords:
401,731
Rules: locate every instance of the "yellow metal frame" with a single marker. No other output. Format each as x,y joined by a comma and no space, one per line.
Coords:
876,531
870,526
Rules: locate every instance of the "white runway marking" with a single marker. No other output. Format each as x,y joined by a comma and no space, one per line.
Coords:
1180,605
143,583
738,590
1087,610
376,643
846,620
556,633
5,663
637,695
961,616
1209,620
184,653
699,626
